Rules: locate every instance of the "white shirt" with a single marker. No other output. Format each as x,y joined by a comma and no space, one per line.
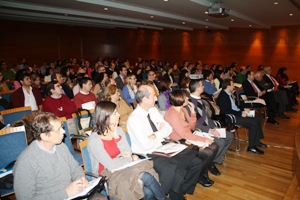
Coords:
139,129
30,99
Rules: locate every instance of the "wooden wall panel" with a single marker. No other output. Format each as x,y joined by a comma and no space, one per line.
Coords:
275,47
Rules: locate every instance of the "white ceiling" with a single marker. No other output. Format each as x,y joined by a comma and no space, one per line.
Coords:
165,14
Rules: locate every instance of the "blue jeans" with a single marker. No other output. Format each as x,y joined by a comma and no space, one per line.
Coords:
152,188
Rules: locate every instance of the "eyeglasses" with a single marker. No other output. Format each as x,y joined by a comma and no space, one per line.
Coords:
151,74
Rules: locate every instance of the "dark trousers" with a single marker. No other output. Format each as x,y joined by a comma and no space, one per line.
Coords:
223,144
179,174
255,129
207,155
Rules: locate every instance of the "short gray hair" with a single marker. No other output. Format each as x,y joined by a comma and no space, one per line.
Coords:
141,93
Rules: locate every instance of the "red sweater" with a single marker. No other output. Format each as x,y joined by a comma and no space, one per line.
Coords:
181,128
80,99
53,105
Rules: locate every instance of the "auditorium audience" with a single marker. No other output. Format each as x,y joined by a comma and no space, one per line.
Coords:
183,124
109,150
253,91
147,129
228,106
206,124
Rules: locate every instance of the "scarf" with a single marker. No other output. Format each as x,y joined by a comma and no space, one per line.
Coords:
167,94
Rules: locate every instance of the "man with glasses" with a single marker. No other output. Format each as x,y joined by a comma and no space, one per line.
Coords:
46,169
151,76
59,104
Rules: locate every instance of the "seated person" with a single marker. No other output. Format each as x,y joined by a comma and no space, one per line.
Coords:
59,104
255,90
283,80
121,78
109,150
111,93
274,84
280,96
46,169
100,81
85,98
76,87
67,90
164,92
147,129
36,83
3,85
209,84
183,124
241,77
26,95
130,89
206,124
228,106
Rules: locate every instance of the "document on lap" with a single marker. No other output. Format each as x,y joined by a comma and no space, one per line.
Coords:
92,184
169,150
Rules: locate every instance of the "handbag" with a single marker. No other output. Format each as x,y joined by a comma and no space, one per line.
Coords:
84,124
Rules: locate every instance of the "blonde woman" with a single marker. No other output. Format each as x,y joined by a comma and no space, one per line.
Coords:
111,93
130,89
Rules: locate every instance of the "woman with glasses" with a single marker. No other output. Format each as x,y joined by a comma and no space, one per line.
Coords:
130,89
109,150
111,93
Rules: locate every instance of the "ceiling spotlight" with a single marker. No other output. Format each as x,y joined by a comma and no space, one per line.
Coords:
206,26
206,19
275,3
291,14
183,22
105,8
250,25
152,16
206,12
165,0
232,20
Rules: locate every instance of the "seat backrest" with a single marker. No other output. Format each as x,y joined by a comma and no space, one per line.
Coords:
84,114
7,95
12,115
86,157
67,139
12,142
